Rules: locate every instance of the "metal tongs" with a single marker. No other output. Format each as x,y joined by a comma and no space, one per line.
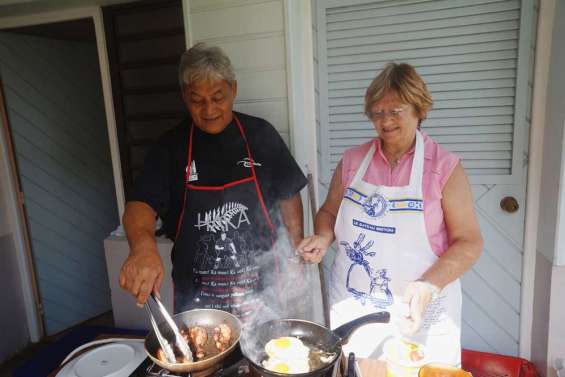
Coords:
166,346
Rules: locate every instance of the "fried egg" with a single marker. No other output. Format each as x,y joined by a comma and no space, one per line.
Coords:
288,366
287,348
287,355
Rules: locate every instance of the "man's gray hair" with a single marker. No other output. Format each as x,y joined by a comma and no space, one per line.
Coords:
203,63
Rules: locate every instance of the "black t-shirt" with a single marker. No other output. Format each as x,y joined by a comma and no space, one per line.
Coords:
218,159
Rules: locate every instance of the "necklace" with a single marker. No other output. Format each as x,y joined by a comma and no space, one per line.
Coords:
394,162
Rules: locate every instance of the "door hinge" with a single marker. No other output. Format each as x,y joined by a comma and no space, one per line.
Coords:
40,309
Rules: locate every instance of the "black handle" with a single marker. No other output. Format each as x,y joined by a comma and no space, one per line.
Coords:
344,331
351,365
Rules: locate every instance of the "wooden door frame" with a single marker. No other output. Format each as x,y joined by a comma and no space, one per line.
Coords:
19,227
29,284
533,185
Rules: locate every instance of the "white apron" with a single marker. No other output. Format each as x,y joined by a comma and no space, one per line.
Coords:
382,246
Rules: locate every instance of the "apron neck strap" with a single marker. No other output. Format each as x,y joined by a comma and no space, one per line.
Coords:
417,172
365,164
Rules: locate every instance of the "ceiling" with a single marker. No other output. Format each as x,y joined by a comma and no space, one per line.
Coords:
10,8
76,30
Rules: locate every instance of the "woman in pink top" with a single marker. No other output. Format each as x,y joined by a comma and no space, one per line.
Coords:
401,210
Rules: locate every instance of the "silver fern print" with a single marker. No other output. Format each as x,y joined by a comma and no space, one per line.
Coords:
220,219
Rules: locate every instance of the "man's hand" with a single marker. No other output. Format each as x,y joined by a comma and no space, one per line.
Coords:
312,249
417,295
141,274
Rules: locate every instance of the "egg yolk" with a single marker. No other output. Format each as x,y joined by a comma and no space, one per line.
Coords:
281,368
282,342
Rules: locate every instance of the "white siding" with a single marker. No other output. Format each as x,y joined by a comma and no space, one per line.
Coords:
56,113
251,32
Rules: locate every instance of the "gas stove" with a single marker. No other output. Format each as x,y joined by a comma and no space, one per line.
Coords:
149,369
128,359
234,366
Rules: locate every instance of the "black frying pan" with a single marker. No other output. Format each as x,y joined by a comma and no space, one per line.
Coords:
321,338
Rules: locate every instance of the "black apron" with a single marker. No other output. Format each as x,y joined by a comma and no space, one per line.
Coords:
222,234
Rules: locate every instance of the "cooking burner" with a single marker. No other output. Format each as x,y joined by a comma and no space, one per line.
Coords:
149,369
233,365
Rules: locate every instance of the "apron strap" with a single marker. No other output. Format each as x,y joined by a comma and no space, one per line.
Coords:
187,176
365,164
417,173
257,187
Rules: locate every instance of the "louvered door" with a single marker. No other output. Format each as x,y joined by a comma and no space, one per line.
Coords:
476,57
145,40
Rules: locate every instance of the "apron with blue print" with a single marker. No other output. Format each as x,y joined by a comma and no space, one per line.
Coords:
382,246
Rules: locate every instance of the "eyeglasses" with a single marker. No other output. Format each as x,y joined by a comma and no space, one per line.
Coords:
381,115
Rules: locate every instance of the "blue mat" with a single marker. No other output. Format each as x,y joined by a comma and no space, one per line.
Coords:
48,358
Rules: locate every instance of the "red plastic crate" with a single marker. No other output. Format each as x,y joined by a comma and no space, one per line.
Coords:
483,364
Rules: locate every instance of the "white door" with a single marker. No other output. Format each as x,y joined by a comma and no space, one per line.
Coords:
477,59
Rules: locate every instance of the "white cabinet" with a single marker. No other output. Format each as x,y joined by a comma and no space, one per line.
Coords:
126,313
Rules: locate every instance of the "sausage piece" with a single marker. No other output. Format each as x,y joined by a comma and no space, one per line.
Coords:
222,337
198,339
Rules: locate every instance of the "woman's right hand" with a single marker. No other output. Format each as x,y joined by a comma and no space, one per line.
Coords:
312,249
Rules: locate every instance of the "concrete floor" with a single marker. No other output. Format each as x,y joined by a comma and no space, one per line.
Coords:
7,367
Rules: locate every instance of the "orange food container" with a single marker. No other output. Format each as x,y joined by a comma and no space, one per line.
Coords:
442,370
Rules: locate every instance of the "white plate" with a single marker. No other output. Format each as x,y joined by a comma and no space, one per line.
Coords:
118,359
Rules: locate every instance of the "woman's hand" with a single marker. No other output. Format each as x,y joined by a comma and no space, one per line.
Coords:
417,295
312,249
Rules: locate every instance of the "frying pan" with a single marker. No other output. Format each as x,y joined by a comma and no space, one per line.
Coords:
207,318
327,341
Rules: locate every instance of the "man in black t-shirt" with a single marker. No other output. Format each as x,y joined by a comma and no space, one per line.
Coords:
224,183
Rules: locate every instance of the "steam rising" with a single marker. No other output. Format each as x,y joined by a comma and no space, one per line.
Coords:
289,287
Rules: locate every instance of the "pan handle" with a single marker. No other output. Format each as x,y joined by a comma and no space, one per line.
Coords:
344,331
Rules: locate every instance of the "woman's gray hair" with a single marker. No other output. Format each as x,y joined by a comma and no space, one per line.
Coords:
203,63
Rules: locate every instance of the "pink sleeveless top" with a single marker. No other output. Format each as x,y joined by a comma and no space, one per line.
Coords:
438,166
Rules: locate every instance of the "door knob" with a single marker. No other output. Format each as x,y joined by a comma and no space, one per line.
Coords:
509,204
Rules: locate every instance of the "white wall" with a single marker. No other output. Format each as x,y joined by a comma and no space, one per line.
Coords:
553,140
56,112
251,32
556,129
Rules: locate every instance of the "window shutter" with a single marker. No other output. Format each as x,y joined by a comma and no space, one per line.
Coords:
467,53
